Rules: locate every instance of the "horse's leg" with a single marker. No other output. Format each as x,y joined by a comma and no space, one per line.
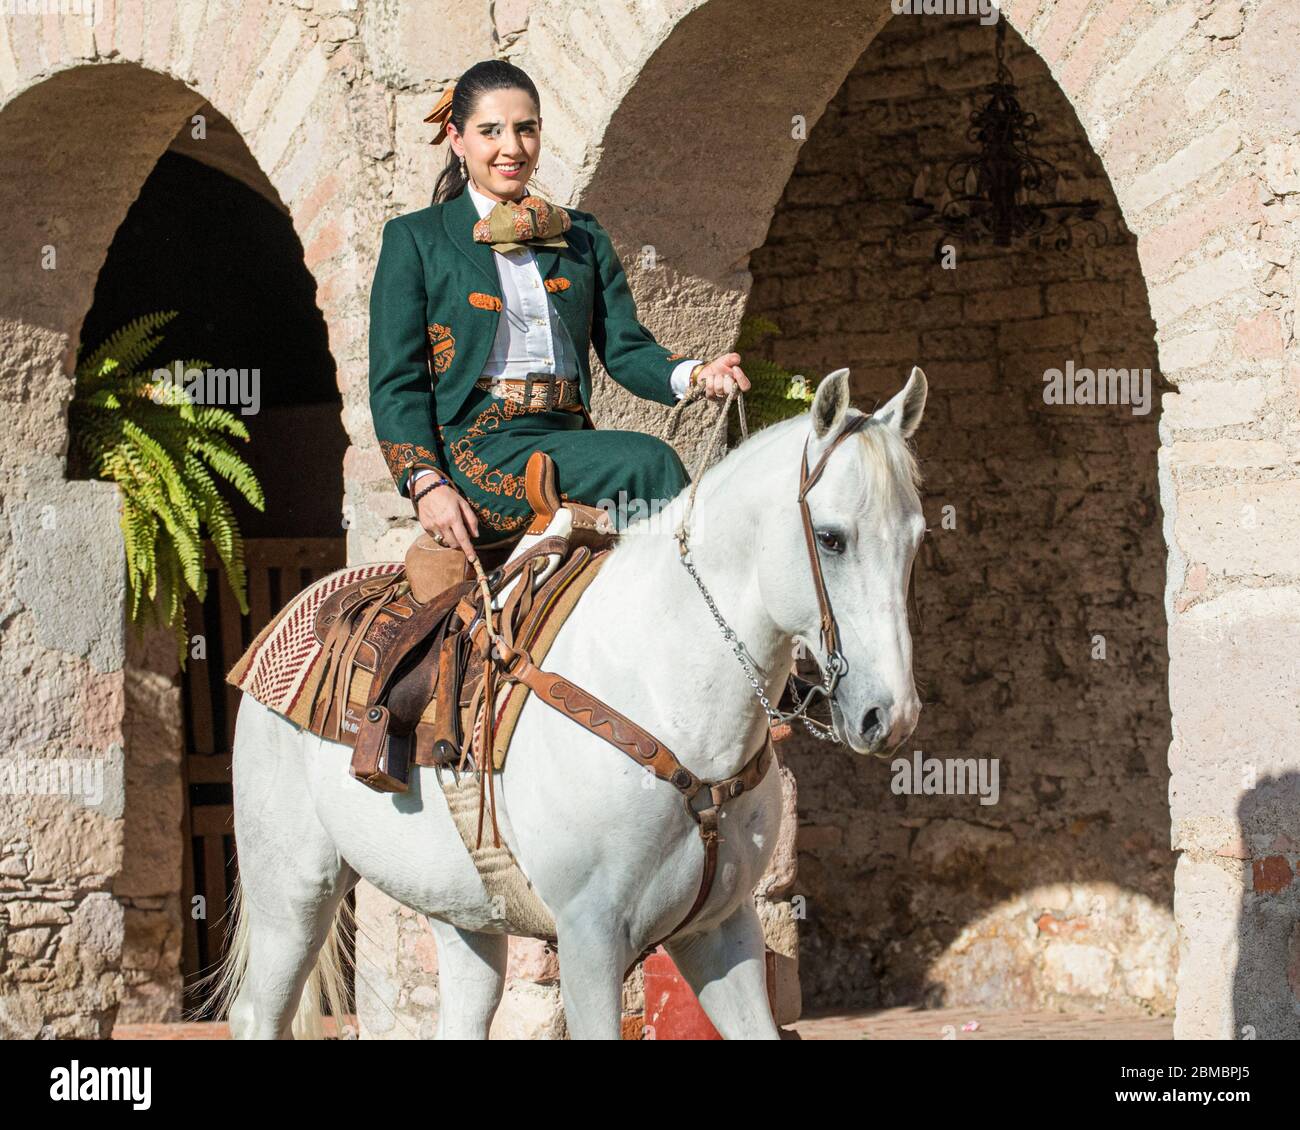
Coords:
471,977
725,967
592,961
291,879
286,933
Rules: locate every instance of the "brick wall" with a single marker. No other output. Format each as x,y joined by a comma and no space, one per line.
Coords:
1061,893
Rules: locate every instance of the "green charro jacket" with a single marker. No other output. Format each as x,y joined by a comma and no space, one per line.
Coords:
434,307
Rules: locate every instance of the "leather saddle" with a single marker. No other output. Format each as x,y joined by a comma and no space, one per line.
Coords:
400,677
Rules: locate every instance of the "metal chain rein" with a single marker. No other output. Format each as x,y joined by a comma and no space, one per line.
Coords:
835,666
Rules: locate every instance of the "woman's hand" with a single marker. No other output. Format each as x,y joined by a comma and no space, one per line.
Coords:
719,377
446,513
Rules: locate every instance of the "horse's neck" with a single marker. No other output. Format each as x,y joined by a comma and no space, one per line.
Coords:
692,693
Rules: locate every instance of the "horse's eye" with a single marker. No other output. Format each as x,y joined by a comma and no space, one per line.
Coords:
830,541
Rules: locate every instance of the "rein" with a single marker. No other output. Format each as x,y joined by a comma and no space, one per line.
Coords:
836,665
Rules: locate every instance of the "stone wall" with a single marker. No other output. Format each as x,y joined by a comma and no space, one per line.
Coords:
1191,106
89,886
1044,549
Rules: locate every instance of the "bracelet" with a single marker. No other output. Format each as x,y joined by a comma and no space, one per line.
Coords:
415,499
695,372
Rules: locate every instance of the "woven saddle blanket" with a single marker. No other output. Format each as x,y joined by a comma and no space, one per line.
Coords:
285,662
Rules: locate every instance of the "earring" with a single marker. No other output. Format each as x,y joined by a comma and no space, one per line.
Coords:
462,167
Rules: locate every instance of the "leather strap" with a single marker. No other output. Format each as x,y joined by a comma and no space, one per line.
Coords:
645,749
341,648
411,633
446,715
721,791
556,543
564,393
807,480
605,722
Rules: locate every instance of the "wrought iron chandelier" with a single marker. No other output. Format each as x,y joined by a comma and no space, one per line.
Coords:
1004,193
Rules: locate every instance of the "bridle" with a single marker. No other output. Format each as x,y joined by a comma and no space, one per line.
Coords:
835,664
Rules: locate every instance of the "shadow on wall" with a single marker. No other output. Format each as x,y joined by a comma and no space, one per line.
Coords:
1266,983
1040,639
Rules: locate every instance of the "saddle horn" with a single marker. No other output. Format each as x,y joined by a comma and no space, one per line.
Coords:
540,490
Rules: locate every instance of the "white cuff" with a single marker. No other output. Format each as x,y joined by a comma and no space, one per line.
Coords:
681,375
415,475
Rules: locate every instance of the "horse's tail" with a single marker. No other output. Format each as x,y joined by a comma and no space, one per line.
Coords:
221,988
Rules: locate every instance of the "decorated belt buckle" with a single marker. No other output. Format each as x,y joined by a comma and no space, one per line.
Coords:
549,383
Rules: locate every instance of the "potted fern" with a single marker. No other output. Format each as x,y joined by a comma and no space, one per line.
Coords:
163,451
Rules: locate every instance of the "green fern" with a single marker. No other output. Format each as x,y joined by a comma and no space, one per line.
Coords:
162,451
775,393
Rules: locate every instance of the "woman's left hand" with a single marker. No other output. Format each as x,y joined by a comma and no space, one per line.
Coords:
719,377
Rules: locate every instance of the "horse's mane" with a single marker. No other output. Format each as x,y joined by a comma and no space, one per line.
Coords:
889,466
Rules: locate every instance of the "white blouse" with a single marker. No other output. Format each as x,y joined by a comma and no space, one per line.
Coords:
530,334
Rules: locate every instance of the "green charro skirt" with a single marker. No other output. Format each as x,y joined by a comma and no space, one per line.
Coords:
486,448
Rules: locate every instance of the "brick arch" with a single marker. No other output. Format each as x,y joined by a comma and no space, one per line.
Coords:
1191,111
264,69
85,113
696,146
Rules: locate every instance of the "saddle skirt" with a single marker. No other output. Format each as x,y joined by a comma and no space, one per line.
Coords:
388,657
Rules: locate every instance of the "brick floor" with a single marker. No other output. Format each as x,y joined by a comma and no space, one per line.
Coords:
200,1030
935,1024
886,1024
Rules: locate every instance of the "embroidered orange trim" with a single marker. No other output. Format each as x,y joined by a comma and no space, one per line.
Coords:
559,283
442,347
401,456
490,517
489,479
484,301
674,356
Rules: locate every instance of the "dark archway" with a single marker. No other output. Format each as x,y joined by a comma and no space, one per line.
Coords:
1041,633
198,241
86,119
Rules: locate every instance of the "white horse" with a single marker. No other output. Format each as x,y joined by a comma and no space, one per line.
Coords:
608,848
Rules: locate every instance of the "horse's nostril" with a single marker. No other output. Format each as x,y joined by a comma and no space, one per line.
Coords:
873,723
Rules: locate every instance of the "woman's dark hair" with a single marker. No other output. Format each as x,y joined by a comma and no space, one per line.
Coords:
490,74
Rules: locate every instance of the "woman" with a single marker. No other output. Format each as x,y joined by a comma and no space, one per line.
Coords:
481,312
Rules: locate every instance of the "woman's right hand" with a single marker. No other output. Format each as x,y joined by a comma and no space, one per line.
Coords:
444,510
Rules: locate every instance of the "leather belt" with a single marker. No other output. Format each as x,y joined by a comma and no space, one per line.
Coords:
535,390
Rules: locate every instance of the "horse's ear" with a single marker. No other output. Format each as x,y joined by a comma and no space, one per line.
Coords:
830,403
904,412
